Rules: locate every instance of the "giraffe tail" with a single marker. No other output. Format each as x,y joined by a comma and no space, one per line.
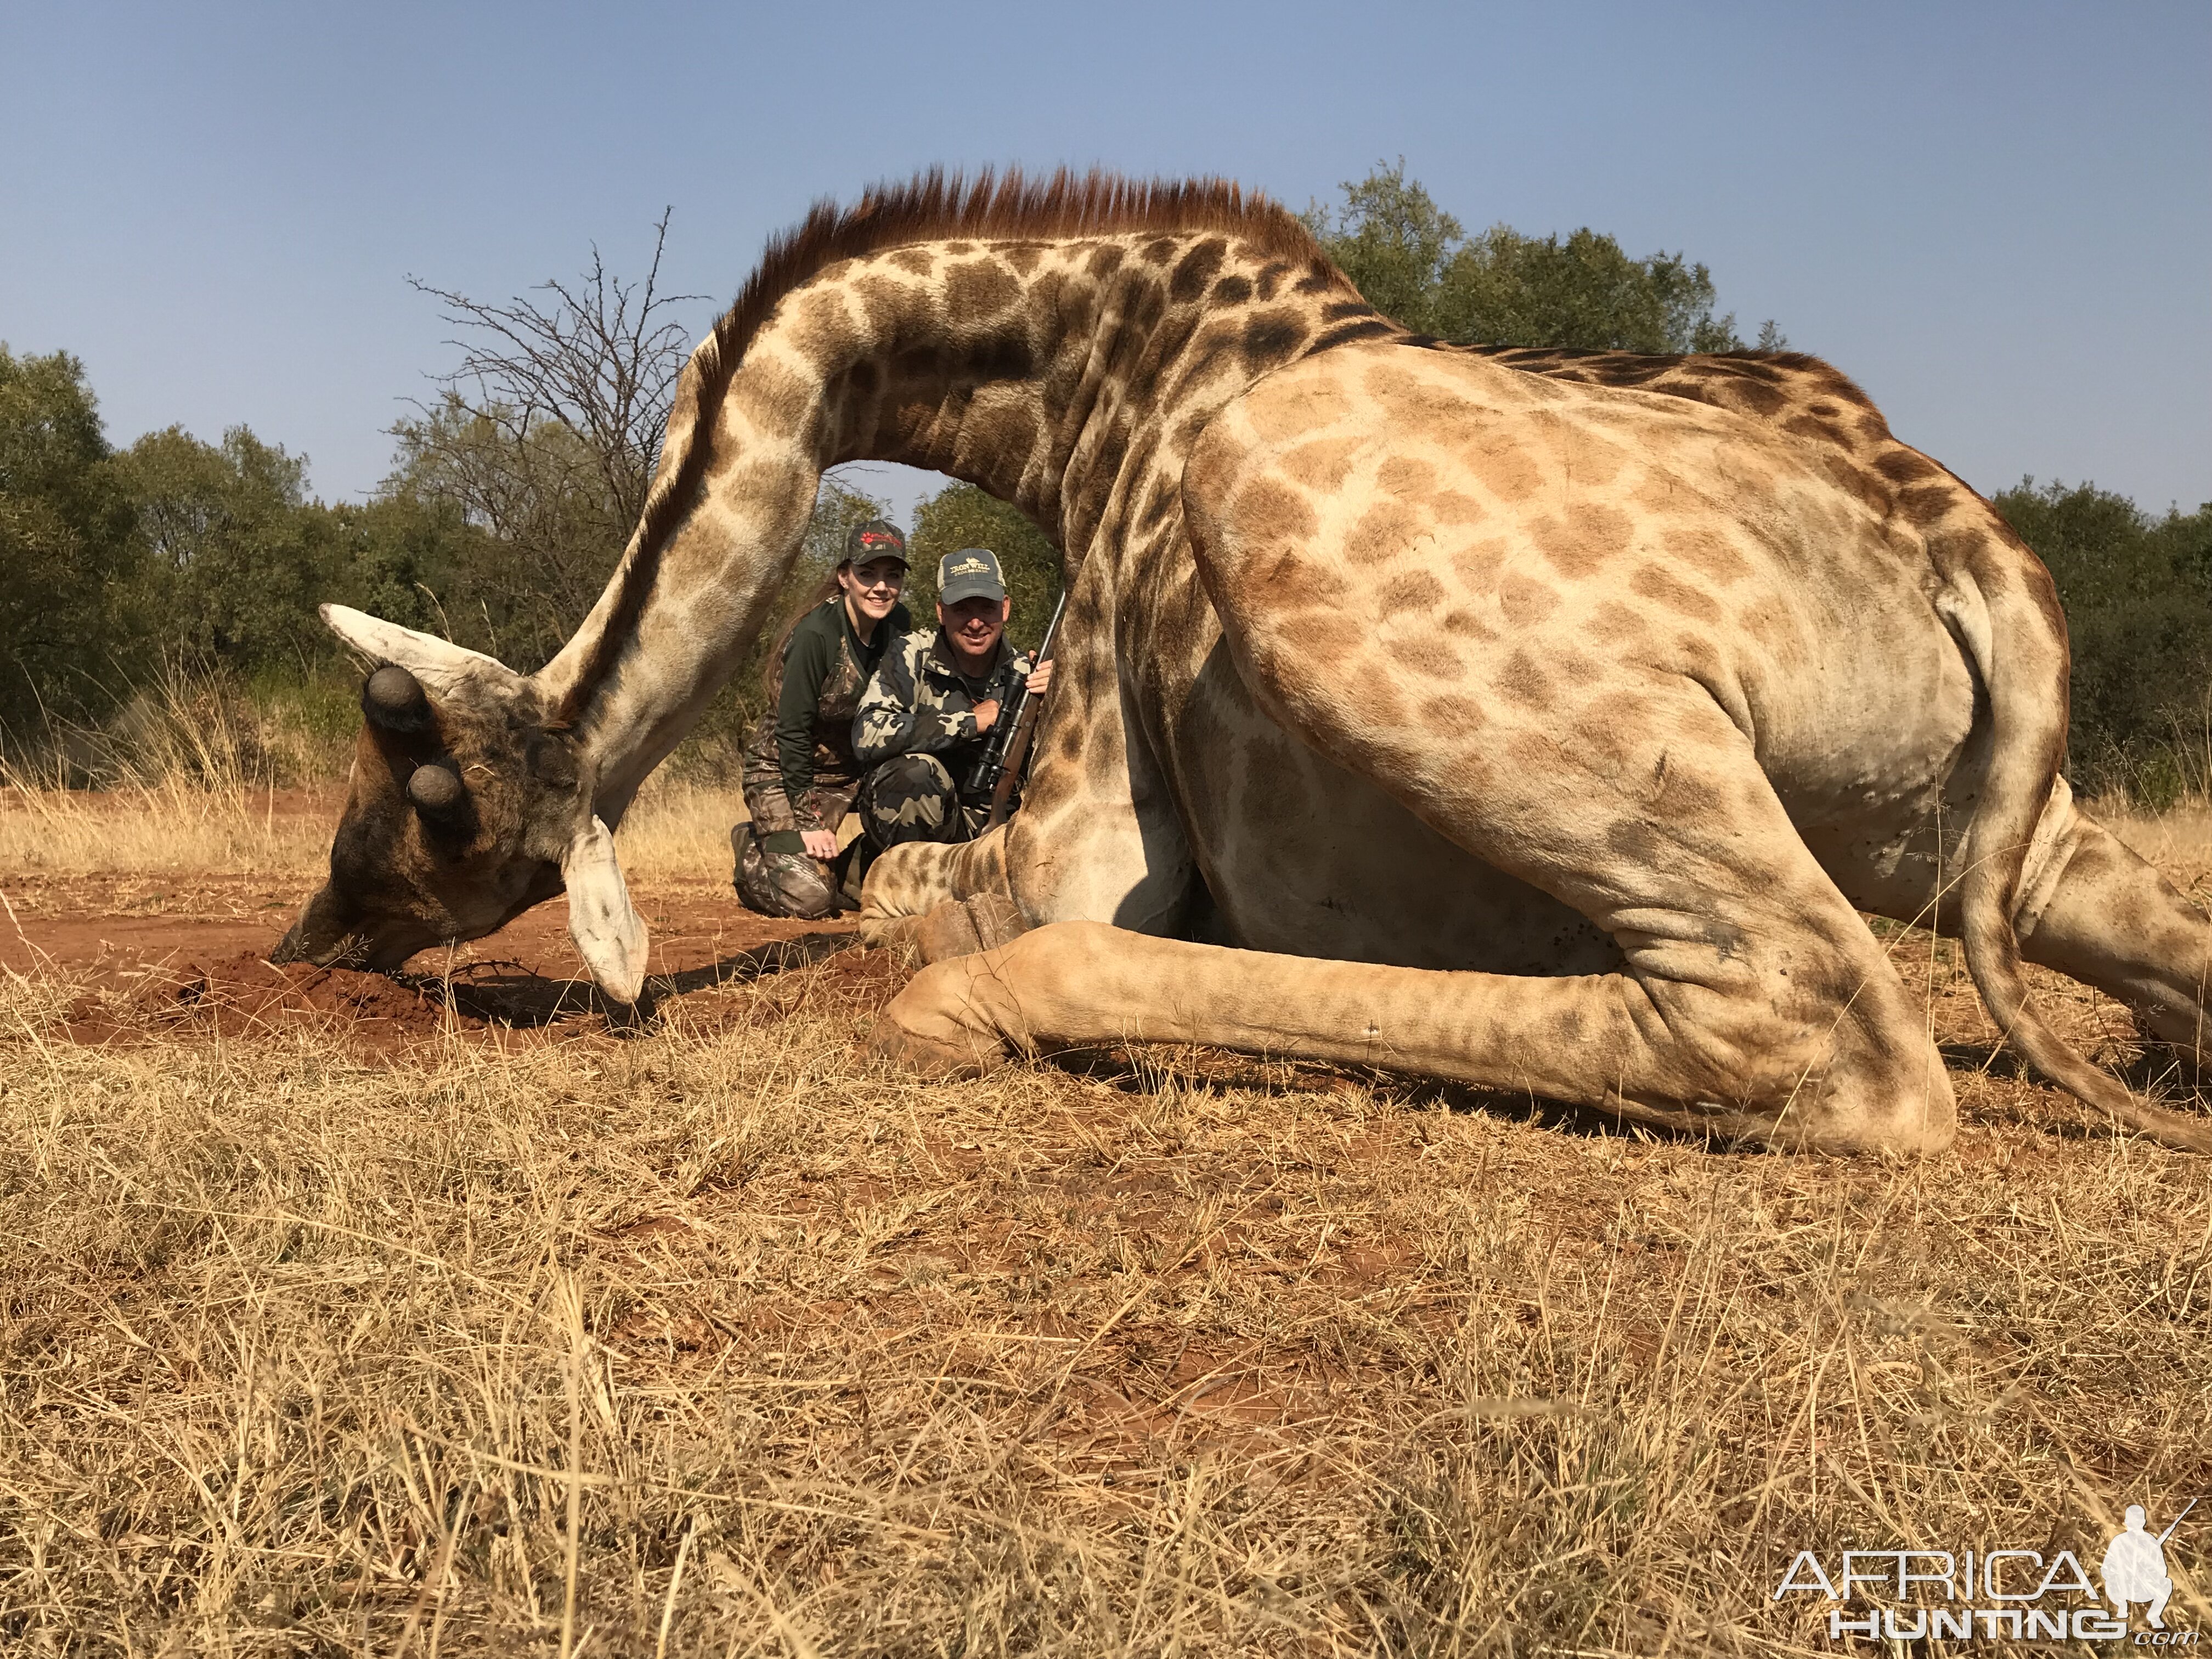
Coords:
2009,622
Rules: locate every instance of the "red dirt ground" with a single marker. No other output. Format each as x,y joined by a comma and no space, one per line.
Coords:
164,959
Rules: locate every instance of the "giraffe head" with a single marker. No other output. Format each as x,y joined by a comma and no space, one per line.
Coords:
467,804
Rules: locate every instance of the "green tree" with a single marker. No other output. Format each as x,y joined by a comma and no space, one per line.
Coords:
961,515
236,557
67,551
1394,242
2138,593
1414,262
417,561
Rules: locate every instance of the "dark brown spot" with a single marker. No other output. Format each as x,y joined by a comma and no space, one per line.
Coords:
1566,547
1454,713
1575,667
1297,583
1416,590
1384,530
1428,656
1521,681
1266,512
1318,639
1707,552
1404,475
1613,623
1506,470
1233,290
1457,620
1660,588
1323,464
980,288
1196,269
1759,399
1525,601
996,435
822,331
1928,504
1271,338
914,259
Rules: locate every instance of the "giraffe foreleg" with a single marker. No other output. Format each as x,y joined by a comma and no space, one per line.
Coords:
932,900
1602,1040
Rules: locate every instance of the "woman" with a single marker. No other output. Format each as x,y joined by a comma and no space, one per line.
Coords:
799,771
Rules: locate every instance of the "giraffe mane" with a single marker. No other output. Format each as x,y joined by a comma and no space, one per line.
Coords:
932,206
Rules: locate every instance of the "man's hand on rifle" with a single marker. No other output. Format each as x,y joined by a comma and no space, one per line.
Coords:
987,714
1040,679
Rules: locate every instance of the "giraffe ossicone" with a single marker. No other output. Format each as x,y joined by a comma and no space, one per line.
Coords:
1538,719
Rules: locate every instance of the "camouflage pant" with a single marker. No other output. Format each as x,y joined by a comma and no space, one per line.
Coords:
912,798
773,874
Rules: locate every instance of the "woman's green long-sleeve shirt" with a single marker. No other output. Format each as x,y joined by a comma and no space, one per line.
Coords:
825,669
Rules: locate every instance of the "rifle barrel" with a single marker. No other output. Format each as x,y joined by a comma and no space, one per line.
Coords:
1024,725
2176,1521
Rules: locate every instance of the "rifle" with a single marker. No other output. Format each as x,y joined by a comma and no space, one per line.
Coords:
999,766
2178,1520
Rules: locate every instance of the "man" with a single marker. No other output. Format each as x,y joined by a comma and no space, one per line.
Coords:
927,714
2134,1568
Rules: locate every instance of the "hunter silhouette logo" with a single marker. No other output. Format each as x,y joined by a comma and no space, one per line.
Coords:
2135,1566
2024,1596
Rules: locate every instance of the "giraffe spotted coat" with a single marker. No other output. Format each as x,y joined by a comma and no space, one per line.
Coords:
1538,720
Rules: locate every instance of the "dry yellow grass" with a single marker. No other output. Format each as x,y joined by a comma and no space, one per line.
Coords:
722,1339
678,830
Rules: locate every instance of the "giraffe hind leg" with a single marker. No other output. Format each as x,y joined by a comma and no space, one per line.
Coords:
2097,912
1756,1003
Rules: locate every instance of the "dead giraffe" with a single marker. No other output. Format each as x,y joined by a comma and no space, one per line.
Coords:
1534,720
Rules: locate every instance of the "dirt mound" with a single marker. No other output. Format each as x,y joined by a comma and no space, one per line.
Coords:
243,995
162,959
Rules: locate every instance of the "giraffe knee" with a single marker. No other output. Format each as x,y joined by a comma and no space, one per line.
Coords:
1848,1069
969,927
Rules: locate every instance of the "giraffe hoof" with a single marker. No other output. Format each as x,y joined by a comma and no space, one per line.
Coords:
955,1053
937,1061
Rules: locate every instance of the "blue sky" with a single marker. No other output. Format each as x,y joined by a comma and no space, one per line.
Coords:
1998,218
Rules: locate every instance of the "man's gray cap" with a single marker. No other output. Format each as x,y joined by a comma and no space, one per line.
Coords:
970,573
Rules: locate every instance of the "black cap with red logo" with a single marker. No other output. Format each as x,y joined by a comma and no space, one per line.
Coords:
878,539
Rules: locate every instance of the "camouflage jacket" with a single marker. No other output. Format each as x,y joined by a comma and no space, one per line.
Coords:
918,703
805,744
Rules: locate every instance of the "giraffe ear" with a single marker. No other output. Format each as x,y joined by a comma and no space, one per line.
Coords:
610,934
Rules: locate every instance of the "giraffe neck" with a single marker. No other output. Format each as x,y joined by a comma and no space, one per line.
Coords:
1068,377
